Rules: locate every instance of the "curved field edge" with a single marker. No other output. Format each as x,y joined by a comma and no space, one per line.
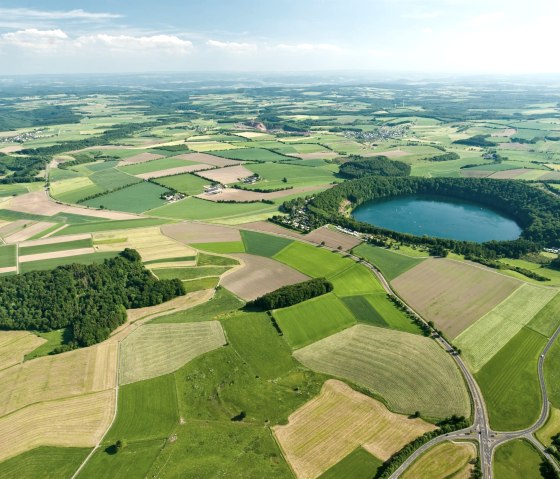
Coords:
446,460
517,459
410,372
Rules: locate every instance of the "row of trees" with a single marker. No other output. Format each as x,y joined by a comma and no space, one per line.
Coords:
90,300
358,167
536,211
293,294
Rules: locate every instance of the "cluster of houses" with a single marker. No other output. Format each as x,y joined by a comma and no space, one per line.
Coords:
250,180
348,232
23,137
172,196
552,250
213,189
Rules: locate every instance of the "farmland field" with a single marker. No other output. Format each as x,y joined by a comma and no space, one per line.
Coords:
54,262
355,280
200,284
359,464
391,264
7,256
453,294
510,384
517,460
312,320
250,154
552,374
550,428
14,345
411,373
132,199
262,244
155,165
189,273
97,226
54,247
221,247
44,463
548,318
185,183
111,178
157,349
312,260
332,425
449,459
489,334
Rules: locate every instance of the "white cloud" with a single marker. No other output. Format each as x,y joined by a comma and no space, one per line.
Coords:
79,14
233,47
309,47
168,43
423,15
34,39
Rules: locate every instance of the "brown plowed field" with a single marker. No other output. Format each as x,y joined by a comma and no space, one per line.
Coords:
208,159
227,175
140,158
200,233
333,238
453,294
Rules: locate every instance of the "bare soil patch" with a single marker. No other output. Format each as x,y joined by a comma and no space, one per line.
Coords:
453,294
329,427
258,275
173,171
63,239
140,158
28,232
208,159
55,254
227,175
468,173
506,132
200,233
268,227
333,238
509,174
388,154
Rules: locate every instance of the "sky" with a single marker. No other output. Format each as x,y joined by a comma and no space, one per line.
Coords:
429,36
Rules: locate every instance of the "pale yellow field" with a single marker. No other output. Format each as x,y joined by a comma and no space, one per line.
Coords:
329,427
71,184
14,345
149,242
551,427
157,349
449,459
60,376
73,422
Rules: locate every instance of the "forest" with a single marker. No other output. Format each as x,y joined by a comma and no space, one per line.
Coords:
89,300
293,294
359,167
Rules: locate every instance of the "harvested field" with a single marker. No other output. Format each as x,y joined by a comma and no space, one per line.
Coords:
232,194
39,203
333,238
509,174
329,427
472,173
200,233
73,422
172,171
14,345
208,159
409,371
319,155
227,175
56,240
55,254
453,294
150,242
259,275
28,232
55,377
140,158
268,227
551,427
481,341
32,249
157,349
388,154
449,459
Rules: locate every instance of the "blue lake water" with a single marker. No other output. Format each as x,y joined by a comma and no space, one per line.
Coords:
438,216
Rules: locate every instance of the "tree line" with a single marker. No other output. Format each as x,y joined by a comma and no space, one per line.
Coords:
292,294
91,300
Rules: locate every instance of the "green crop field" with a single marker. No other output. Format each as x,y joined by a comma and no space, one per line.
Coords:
547,319
510,385
54,262
134,460
111,178
312,320
97,226
376,309
155,165
221,247
152,261
517,459
391,264
250,154
222,302
199,284
296,175
409,372
359,464
154,401
312,260
54,339
355,280
136,198
7,256
552,373
483,339
189,272
262,244
44,463
196,209
185,183
204,259
254,338
53,247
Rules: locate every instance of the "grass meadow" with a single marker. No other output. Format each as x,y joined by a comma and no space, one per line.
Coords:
390,263
44,463
262,244
312,260
359,464
517,459
136,198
